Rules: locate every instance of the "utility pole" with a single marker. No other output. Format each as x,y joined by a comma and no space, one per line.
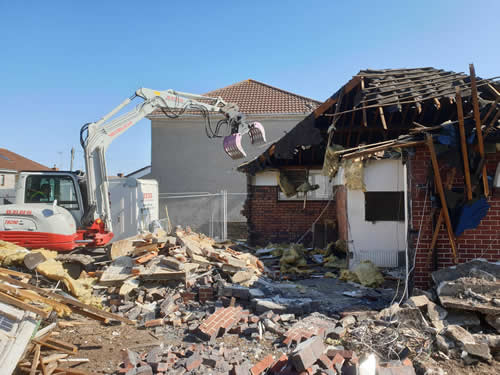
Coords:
72,158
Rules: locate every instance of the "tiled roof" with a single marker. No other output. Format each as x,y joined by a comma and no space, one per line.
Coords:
254,97
13,161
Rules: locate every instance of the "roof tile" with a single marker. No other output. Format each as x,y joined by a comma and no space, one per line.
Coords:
254,97
16,162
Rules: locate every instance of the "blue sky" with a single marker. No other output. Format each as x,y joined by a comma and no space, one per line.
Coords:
65,63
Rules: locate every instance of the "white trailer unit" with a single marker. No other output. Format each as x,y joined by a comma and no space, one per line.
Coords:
134,205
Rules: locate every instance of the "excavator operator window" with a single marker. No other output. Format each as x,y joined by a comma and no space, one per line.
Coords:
46,189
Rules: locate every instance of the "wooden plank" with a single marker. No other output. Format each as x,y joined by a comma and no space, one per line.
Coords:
351,125
382,148
45,330
54,357
52,345
365,122
44,368
71,371
122,247
492,108
25,306
437,103
494,90
68,301
490,126
62,344
36,358
358,148
32,296
449,184
328,103
463,144
15,273
479,132
91,315
439,185
382,117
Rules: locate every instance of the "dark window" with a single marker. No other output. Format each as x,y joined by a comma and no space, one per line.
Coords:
384,206
47,188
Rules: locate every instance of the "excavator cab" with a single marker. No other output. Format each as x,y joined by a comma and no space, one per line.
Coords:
232,143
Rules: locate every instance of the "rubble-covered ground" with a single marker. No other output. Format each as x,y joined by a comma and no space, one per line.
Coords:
203,307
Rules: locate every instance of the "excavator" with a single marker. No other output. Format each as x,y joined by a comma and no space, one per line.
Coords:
65,211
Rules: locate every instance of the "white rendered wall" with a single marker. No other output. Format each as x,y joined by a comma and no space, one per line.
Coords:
378,241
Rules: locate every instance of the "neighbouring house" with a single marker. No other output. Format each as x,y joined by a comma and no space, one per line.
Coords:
401,168
10,164
197,180
143,172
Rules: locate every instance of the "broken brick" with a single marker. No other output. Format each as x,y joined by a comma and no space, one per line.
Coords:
130,358
324,361
337,362
193,362
223,318
188,296
279,364
261,366
154,323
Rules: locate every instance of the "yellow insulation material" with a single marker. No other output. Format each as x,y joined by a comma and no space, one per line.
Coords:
331,163
81,288
365,273
354,175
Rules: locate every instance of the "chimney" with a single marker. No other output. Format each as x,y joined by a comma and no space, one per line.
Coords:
120,175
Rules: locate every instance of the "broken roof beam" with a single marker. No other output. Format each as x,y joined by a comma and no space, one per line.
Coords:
440,77
494,90
423,87
479,132
332,100
446,92
463,144
381,148
439,186
435,235
382,117
365,123
69,301
492,108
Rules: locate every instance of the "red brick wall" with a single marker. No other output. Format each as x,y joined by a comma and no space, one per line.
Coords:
270,220
482,242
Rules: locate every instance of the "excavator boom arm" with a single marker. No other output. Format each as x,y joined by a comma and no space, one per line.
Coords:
103,132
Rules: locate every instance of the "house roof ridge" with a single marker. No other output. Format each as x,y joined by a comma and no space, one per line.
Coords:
266,85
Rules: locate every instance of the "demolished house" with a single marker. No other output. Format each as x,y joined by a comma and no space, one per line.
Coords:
400,163
180,302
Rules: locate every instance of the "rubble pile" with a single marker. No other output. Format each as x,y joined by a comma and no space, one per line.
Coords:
291,261
215,310
459,320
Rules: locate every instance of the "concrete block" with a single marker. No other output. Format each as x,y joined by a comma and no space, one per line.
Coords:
307,353
418,301
459,335
478,350
463,318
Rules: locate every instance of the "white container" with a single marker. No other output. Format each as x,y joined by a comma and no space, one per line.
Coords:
134,205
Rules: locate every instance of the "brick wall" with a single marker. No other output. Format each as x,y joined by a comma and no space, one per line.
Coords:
270,220
482,242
